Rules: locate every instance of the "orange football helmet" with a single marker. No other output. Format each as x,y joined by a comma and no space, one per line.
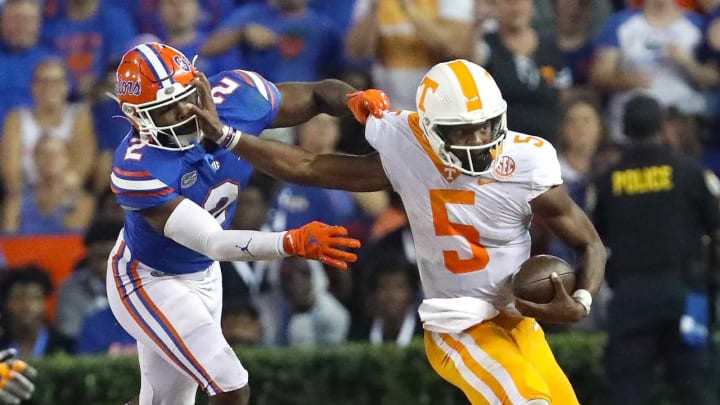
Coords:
151,78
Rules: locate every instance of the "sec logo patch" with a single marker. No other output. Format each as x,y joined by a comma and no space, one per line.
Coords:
504,168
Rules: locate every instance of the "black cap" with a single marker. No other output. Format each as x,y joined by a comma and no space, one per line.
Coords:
642,118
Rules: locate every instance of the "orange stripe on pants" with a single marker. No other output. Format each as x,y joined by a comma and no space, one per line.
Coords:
515,362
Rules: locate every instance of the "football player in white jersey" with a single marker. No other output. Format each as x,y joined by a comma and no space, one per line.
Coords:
470,187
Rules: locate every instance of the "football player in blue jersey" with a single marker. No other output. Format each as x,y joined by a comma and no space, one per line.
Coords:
179,194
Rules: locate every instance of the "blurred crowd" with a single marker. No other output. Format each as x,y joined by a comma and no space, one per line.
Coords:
565,67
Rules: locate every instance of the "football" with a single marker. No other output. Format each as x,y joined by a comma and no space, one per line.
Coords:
531,281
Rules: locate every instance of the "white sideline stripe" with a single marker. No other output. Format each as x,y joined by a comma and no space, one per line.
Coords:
493,368
465,372
259,84
156,64
153,184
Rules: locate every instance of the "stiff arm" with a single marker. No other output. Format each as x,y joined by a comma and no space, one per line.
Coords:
296,165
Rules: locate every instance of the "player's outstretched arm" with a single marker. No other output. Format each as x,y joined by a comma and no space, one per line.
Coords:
15,378
302,101
191,226
573,227
293,164
288,162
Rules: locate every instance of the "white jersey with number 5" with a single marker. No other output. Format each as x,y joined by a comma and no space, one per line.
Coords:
471,233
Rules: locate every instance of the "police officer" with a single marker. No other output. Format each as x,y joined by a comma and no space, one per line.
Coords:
652,210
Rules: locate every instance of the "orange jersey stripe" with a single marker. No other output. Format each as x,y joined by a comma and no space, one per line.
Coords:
271,94
245,77
129,173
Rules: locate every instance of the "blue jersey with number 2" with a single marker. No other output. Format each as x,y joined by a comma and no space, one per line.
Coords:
145,177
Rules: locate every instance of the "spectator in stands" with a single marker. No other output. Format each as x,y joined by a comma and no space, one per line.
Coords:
296,204
653,209
529,68
51,116
393,303
653,49
181,29
255,206
711,152
84,292
109,126
581,132
107,208
340,11
575,28
241,324
100,333
390,235
246,281
19,52
56,203
404,38
680,133
87,36
311,316
24,296
283,40
147,15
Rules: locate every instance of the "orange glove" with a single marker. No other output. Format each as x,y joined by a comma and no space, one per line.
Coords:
366,102
318,241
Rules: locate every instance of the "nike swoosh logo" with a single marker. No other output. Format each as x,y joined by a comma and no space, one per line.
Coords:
483,182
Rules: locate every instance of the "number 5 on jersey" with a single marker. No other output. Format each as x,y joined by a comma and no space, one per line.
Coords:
443,227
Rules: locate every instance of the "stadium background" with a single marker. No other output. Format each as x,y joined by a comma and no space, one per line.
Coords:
558,94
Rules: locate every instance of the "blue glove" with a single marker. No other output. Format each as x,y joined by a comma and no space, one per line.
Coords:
694,322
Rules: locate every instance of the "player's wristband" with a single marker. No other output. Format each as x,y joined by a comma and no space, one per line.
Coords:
229,138
584,298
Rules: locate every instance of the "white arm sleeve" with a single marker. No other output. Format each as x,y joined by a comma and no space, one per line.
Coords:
193,227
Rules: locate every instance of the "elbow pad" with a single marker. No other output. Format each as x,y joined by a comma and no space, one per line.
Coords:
194,228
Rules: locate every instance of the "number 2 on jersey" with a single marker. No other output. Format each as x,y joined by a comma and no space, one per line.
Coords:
226,87
443,227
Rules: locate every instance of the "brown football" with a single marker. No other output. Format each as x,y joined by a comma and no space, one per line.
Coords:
531,281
